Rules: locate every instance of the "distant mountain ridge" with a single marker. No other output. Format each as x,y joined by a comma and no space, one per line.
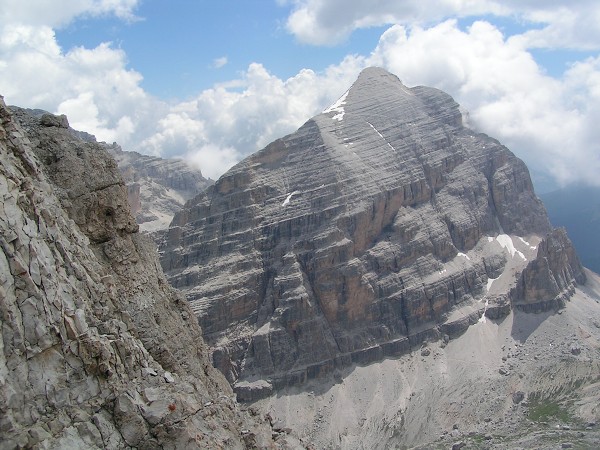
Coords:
157,187
380,224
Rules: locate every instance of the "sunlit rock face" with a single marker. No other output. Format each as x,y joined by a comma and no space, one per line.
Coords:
380,223
96,349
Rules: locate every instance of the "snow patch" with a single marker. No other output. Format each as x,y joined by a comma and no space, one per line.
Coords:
463,255
338,108
490,281
485,307
488,286
506,241
289,197
532,247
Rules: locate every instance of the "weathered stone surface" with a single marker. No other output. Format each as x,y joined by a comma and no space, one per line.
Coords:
156,188
50,120
96,350
376,224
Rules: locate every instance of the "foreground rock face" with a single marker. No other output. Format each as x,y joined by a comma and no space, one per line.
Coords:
157,188
379,224
96,350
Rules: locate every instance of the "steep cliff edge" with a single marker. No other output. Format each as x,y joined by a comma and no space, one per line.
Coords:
381,223
157,188
97,350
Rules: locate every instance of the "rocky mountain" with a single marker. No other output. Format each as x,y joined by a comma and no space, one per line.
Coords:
577,208
96,350
381,224
157,188
525,381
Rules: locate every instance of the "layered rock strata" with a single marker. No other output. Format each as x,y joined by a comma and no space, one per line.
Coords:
96,349
379,224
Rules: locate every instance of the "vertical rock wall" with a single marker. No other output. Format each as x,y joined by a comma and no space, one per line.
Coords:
96,350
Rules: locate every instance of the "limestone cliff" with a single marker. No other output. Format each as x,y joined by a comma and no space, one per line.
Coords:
96,349
379,224
157,188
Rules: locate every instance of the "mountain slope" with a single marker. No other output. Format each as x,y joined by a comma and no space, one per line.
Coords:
96,350
525,381
381,223
157,188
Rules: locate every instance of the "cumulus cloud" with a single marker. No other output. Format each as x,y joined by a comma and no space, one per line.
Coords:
558,24
548,122
56,13
232,120
93,87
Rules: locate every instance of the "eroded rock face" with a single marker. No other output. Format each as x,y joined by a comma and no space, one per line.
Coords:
380,223
158,188
96,350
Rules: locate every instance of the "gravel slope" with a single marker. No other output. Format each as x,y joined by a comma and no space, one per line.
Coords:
529,380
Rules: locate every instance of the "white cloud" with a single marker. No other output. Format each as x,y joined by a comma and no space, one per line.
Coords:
101,95
559,23
220,62
223,124
56,13
546,121
331,21
565,26
92,86
213,161
549,122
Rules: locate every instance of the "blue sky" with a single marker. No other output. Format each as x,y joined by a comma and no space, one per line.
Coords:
213,81
177,45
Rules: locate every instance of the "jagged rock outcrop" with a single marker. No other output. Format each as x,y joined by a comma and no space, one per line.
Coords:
379,224
96,349
157,188
547,281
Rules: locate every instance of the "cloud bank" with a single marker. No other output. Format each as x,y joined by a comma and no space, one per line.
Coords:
554,23
549,122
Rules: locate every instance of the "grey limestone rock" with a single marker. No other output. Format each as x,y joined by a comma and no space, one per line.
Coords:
96,349
156,187
379,224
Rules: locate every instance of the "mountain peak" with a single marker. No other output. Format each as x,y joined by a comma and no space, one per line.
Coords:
380,223
378,93
377,76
